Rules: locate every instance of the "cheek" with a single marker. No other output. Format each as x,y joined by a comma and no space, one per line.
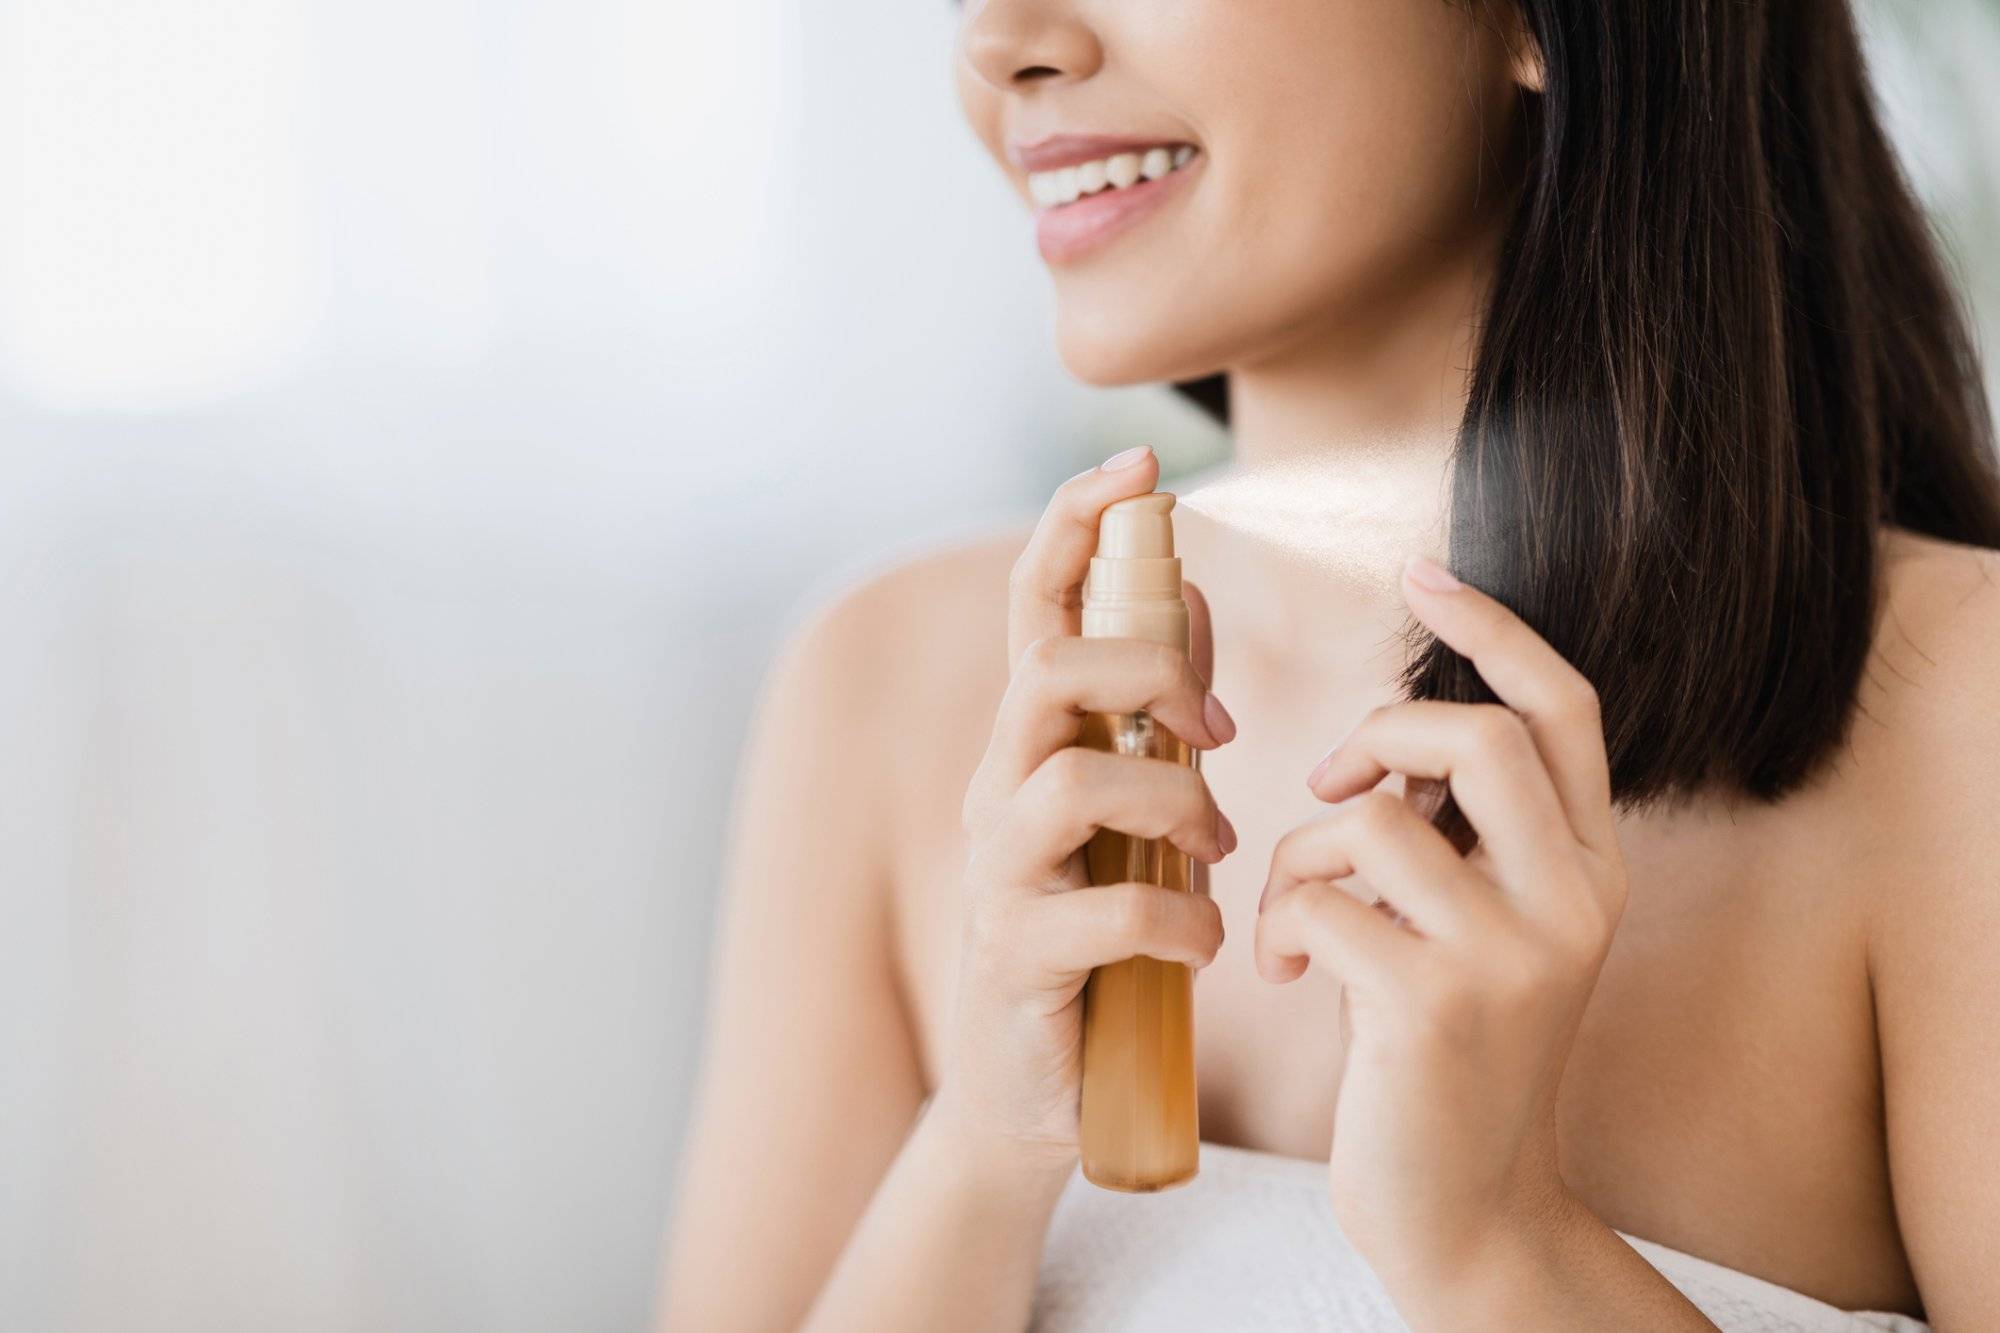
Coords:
1357,187
1350,148
1363,151
979,104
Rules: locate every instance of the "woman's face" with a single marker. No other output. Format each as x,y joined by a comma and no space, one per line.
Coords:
1345,154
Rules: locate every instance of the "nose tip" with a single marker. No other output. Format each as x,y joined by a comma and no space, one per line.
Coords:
1014,44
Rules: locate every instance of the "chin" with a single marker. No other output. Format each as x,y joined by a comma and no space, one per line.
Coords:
1112,352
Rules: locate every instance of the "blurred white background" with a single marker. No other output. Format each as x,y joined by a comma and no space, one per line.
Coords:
420,423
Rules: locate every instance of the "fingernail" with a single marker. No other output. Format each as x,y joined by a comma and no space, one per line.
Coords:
1220,724
1125,459
1225,832
1319,769
1427,573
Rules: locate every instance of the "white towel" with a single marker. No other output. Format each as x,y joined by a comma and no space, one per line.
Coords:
1250,1243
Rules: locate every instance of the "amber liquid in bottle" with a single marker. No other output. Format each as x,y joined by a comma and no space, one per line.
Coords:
1139,1128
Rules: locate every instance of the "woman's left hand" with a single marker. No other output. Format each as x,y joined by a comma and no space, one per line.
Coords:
1457,1015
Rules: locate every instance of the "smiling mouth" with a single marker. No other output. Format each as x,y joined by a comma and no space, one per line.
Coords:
1066,185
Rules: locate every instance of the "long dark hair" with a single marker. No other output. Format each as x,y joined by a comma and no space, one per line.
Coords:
1721,351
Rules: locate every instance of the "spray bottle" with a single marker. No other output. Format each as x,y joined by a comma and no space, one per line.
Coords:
1139,1130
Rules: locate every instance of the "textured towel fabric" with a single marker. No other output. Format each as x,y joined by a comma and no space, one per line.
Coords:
1250,1243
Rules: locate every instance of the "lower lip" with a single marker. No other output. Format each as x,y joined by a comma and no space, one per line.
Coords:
1066,232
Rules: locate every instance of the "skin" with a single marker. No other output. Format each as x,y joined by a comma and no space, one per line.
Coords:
1755,1033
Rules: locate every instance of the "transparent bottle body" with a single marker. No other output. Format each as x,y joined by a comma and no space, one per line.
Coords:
1139,1130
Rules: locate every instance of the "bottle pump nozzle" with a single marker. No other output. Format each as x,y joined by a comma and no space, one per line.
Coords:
1138,528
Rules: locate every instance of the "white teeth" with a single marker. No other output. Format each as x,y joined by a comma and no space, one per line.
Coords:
1052,188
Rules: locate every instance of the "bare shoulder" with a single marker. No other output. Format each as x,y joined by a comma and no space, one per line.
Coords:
1926,824
1927,733
1934,677
915,651
808,1009
916,626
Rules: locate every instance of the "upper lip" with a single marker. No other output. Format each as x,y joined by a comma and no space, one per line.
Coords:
1066,150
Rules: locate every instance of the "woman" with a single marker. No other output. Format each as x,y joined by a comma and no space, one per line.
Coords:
1624,313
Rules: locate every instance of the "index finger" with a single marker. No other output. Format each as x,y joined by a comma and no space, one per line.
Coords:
1558,703
1045,590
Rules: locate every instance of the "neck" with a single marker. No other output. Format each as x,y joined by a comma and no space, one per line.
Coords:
1342,443
1393,370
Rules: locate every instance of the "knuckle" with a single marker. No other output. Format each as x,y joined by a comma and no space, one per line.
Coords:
1155,661
1374,813
1592,925
1193,922
1190,790
1285,853
1137,914
1275,911
1369,723
1065,501
1584,700
1023,576
989,923
1614,894
1206,936
973,883
1027,569
1065,775
1582,927
1040,657
1210,917
1173,673
1597,914
1498,729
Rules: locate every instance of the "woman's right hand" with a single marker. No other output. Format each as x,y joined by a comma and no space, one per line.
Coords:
1013,1071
